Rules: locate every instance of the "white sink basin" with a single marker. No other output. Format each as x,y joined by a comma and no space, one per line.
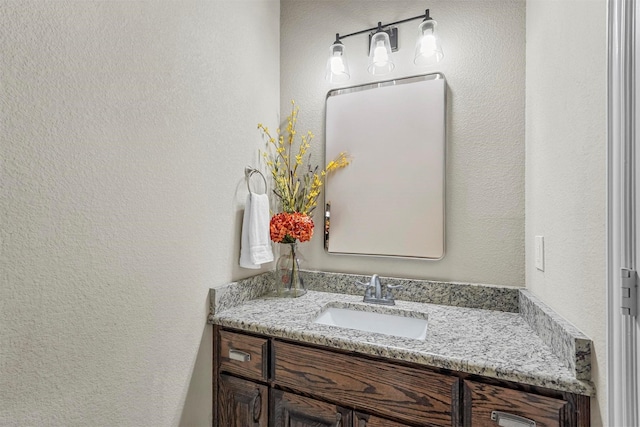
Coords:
394,323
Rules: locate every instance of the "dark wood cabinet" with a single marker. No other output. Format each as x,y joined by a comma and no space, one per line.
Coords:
242,403
264,381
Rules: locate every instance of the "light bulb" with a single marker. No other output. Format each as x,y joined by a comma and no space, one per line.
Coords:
380,56
337,65
428,45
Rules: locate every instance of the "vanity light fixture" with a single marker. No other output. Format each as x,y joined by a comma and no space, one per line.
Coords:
337,66
428,49
380,61
383,40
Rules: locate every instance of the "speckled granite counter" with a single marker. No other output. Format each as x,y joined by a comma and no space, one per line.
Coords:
484,341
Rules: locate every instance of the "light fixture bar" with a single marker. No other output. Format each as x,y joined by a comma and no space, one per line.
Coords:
426,15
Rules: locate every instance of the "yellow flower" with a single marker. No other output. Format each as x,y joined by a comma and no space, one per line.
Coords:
339,162
297,185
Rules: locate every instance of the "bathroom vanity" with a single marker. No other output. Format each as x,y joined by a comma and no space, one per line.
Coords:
275,366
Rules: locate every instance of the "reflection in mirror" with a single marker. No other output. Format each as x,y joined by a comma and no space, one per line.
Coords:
391,200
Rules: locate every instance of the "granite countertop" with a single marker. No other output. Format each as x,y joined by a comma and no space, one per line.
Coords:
487,342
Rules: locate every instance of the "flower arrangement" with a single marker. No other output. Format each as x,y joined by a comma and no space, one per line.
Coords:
297,183
288,227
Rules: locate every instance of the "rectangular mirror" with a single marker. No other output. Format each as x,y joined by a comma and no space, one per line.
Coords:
390,201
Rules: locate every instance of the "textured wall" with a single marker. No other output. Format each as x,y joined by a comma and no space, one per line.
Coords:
566,149
484,44
125,130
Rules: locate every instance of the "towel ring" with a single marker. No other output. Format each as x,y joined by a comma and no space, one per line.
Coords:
248,172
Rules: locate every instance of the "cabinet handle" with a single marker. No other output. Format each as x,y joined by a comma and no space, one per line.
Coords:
256,406
238,355
338,419
504,419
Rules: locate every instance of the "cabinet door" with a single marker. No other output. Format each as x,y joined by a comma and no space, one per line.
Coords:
365,420
291,410
490,406
242,403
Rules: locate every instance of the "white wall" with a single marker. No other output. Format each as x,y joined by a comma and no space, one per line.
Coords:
565,167
484,45
125,130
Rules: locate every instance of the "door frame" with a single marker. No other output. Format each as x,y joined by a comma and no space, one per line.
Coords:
622,215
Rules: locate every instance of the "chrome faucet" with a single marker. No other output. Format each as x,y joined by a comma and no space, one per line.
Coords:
373,291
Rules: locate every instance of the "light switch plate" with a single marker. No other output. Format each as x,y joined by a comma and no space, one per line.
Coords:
540,253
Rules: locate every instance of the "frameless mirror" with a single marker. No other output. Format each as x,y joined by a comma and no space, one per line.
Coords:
390,201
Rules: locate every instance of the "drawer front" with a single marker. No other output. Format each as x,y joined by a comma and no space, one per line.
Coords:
399,392
492,406
243,355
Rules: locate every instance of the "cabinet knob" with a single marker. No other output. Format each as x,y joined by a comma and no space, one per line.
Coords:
504,419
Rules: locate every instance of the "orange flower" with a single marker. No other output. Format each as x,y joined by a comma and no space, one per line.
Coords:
288,227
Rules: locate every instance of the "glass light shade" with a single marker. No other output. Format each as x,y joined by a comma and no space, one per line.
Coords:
380,61
337,66
428,49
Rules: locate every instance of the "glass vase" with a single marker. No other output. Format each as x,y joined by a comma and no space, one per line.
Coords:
289,282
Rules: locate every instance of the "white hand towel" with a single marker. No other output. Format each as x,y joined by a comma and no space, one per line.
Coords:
255,246
259,236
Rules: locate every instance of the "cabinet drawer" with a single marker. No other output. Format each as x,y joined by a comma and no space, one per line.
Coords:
492,406
243,355
399,392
